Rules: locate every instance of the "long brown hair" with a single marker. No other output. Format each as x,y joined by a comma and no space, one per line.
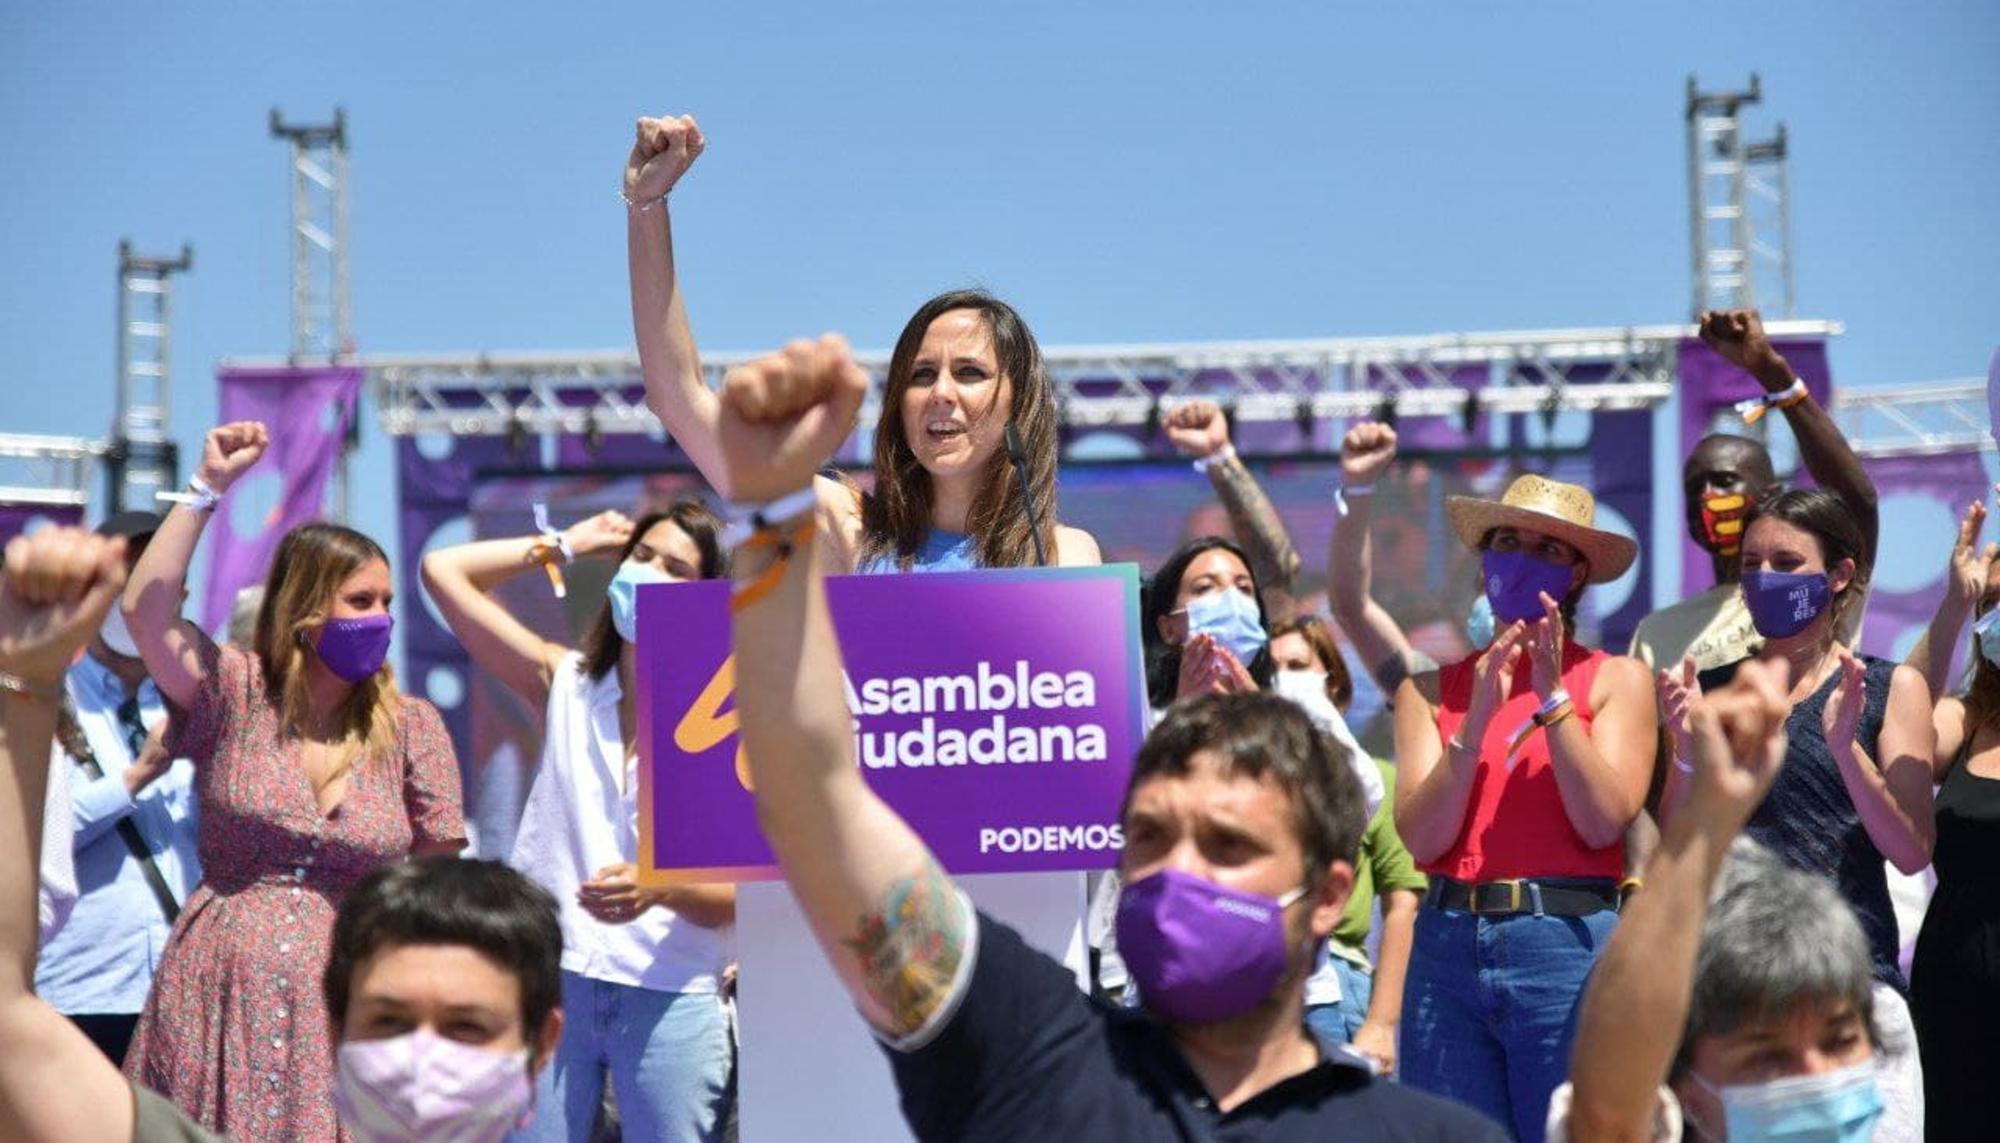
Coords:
896,517
602,645
311,563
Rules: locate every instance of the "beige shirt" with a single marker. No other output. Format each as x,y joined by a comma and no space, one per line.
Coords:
1714,627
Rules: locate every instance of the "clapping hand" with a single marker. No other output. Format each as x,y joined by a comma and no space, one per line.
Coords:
782,416
1738,743
1966,577
55,589
1545,648
1679,690
1842,716
1492,682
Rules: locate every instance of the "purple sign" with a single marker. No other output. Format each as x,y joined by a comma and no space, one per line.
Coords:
997,712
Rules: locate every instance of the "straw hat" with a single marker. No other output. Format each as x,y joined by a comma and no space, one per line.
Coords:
1565,511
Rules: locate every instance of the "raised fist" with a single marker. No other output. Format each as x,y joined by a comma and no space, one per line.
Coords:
783,416
1365,453
1738,335
604,532
662,153
55,589
229,452
1197,428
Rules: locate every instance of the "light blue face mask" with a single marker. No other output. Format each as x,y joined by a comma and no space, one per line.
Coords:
624,596
1230,618
1479,622
1986,632
1835,1107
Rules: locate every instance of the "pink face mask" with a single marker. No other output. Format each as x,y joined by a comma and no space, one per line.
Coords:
423,1086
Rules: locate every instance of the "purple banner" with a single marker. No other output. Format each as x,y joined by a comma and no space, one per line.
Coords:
1933,490
307,411
998,712
1709,386
17,518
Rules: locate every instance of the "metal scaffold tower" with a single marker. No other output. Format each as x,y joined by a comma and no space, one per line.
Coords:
1738,214
322,323
142,459
47,470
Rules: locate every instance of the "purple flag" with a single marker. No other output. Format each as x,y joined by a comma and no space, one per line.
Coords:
997,711
307,411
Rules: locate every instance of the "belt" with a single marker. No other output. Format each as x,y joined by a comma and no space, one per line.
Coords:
1578,898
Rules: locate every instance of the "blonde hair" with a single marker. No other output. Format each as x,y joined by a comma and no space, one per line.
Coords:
311,563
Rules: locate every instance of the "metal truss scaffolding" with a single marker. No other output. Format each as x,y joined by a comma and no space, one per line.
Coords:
1738,213
142,458
1551,371
321,324
47,470
1916,420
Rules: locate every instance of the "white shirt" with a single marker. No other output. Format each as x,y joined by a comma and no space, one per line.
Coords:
582,814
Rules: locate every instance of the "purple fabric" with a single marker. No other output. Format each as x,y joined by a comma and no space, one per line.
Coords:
1952,480
1782,604
1516,582
1199,951
355,648
997,711
15,518
1709,385
307,411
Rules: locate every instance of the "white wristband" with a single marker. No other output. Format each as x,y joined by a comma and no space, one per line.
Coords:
1341,492
746,520
199,496
1223,455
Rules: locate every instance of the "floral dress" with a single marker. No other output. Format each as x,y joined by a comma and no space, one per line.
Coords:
235,1029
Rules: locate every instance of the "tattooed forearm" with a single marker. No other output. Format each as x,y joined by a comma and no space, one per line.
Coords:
909,949
1273,560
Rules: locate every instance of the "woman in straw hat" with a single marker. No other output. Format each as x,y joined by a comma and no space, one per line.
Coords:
1519,769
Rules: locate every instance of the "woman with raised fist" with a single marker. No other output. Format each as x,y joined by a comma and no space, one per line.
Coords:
968,411
311,771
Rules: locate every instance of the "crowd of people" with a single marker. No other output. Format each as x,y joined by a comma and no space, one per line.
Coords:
1593,896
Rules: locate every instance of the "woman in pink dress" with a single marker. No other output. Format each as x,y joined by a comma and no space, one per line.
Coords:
311,770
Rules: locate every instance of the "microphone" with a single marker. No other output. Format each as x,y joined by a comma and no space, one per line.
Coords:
1019,456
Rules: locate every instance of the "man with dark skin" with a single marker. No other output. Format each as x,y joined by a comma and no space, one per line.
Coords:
1723,477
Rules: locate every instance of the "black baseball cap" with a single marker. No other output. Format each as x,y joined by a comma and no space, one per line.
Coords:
134,525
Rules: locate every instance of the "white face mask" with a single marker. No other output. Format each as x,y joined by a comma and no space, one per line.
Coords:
1307,688
116,635
423,1086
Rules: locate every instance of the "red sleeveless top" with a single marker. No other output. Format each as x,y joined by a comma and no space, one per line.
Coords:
1515,824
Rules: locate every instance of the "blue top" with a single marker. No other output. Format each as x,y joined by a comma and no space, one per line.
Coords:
1809,820
1024,1055
102,961
942,551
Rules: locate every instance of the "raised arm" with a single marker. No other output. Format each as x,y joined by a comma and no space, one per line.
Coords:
1636,1004
1433,775
1738,335
889,920
1365,454
662,153
1892,792
170,645
1199,430
1965,582
55,1086
462,578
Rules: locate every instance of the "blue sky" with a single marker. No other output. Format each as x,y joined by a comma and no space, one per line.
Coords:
1122,172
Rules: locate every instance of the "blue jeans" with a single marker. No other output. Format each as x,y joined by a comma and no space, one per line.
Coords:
1338,1022
669,1055
1489,1009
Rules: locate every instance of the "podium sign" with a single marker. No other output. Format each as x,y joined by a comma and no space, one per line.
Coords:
997,712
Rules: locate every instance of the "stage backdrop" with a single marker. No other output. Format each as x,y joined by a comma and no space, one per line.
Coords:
17,518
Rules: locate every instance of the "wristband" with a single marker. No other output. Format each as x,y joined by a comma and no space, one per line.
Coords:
199,496
767,580
1753,410
639,206
552,552
1223,455
746,520
1341,493
15,684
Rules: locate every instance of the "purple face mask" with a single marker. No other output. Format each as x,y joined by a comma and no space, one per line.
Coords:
355,648
1784,603
1200,952
1515,581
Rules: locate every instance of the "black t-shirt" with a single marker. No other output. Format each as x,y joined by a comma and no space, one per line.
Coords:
1025,1056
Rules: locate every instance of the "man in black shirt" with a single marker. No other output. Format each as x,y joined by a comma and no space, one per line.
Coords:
1241,824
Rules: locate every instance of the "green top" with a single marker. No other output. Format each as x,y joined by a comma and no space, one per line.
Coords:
1384,866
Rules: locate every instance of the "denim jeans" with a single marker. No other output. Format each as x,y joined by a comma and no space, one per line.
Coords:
1338,1022
1489,1009
669,1055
